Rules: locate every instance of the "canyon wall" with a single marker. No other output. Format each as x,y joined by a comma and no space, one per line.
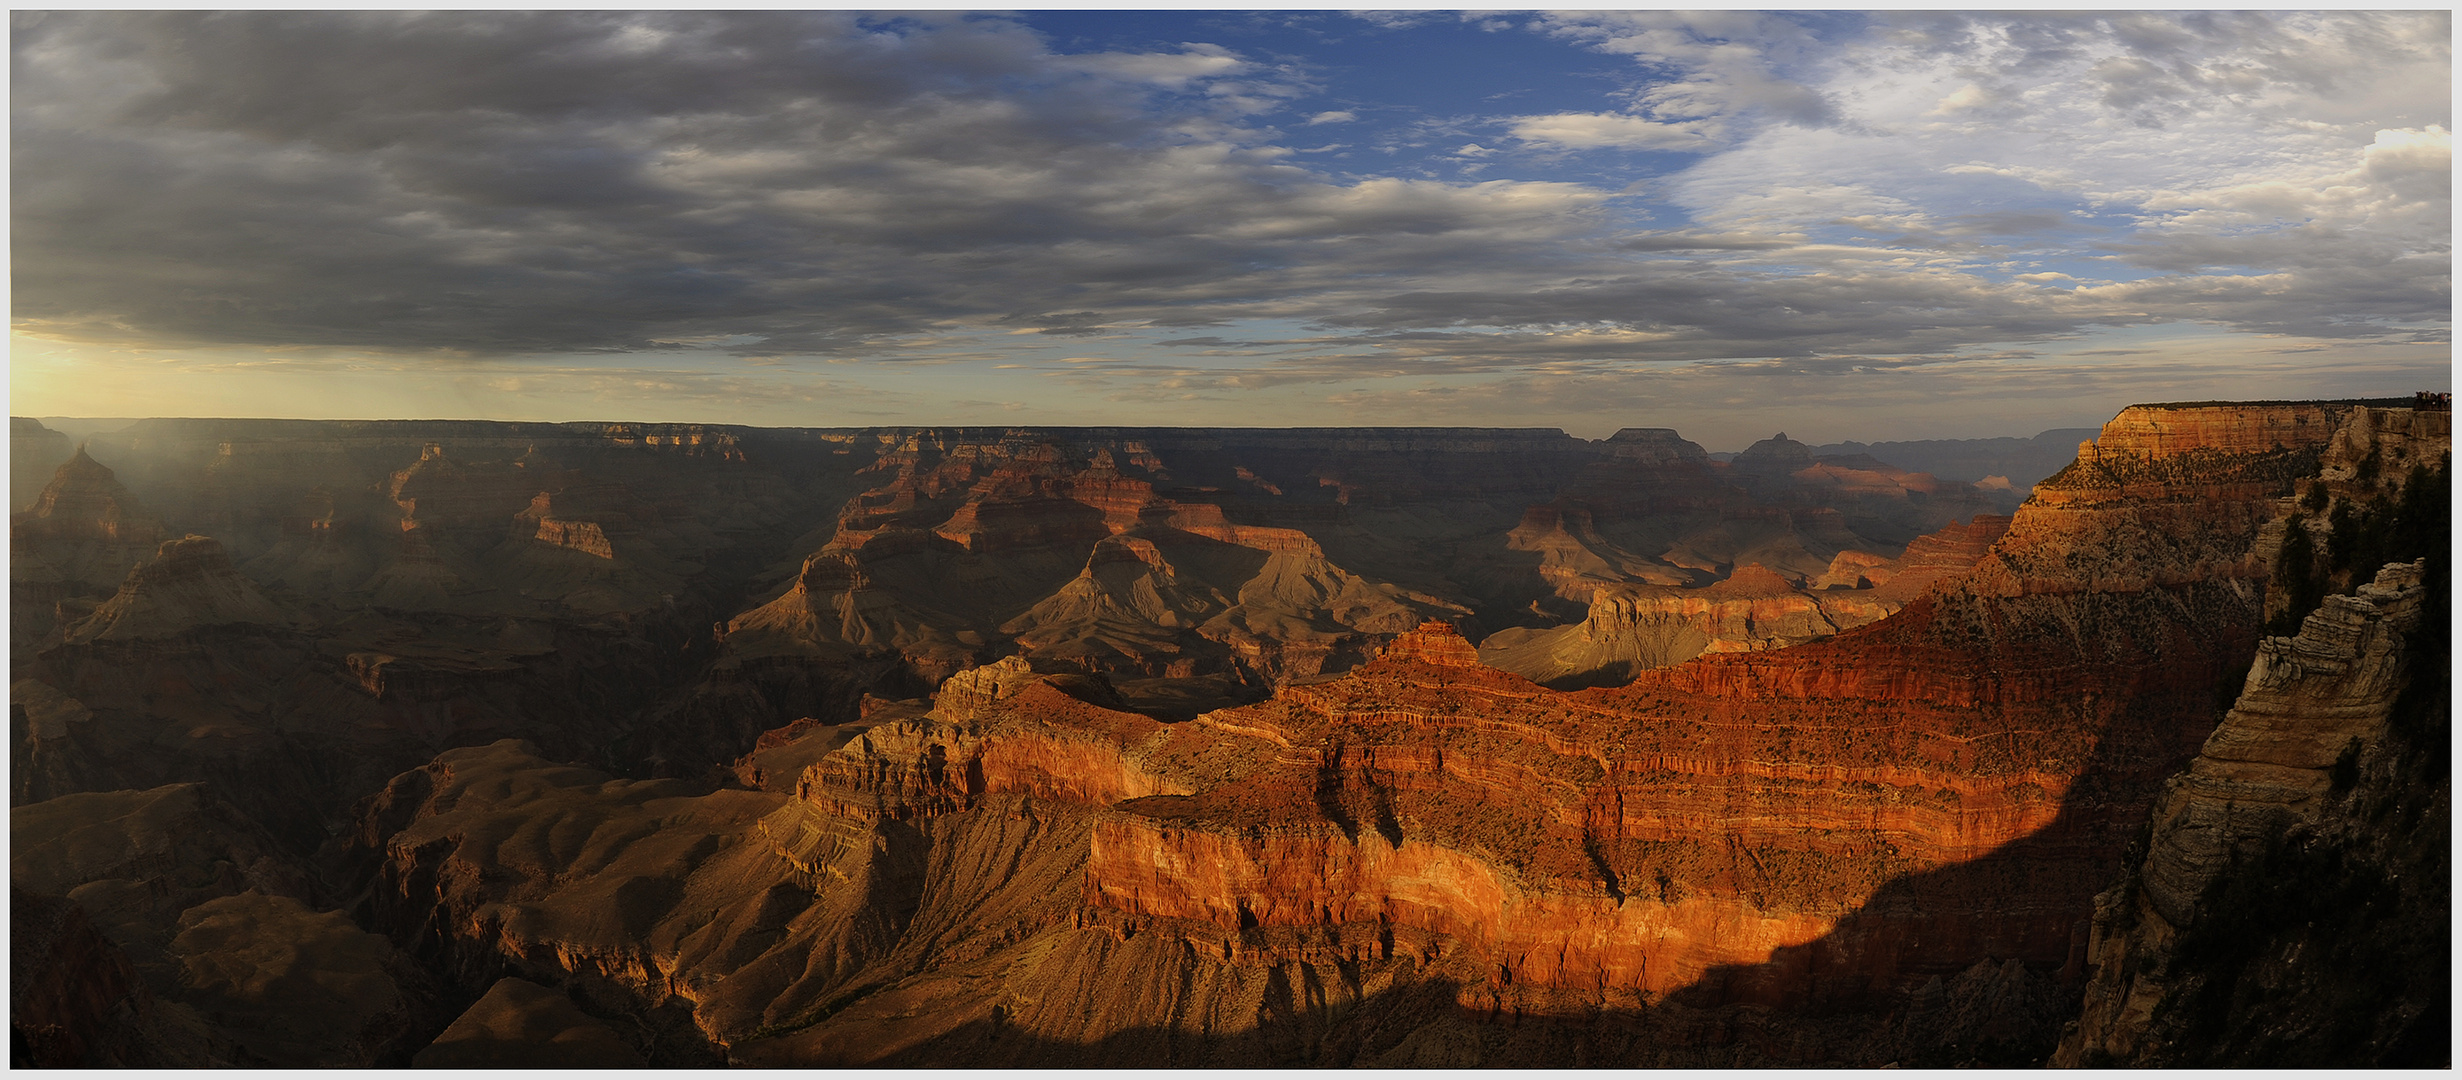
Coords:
1632,628
998,747
2290,902
1879,846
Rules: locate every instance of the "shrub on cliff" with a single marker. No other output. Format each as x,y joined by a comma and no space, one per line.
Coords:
2361,535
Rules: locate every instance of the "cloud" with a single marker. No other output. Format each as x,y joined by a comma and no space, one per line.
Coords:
1720,65
1591,131
824,183
1196,62
947,190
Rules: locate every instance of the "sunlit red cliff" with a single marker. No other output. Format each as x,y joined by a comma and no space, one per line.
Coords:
1192,748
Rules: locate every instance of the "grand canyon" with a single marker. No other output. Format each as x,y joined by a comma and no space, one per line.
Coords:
1199,538
475,743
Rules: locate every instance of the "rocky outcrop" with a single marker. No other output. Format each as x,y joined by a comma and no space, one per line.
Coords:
519,1024
222,960
297,987
2311,719
86,502
964,543
74,544
1907,819
2308,700
547,522
1631,628
1365,846
2016,462
189,584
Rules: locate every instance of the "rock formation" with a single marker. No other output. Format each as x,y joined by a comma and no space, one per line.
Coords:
35,454
2015,463
1659,512
188,585
86,502
522,1025
206,920
1134,747
1075,553
1632,628
2281,779
80,536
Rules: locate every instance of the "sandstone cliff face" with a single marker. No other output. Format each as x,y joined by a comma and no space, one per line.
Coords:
1659,512
1630,629
2308,698
1074,552
2312,718
1881,845
1907,818
2162,431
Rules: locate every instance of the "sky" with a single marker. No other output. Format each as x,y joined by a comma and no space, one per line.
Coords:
1837,225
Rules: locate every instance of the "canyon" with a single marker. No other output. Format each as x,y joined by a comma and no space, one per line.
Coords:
437,743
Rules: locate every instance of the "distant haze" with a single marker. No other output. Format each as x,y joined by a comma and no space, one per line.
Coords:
2022,462
1879,227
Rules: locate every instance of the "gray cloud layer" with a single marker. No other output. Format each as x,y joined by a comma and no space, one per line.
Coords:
819,183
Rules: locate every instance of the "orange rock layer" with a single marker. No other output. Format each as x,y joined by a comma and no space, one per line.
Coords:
1811,829
1742,812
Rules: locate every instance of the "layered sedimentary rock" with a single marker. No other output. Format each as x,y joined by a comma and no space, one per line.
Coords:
1907,818
2308,700
2290,757
1077,554
80,536
1357,843
189,584
1632,628
2017,462
426,562
1860,822
1659,512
